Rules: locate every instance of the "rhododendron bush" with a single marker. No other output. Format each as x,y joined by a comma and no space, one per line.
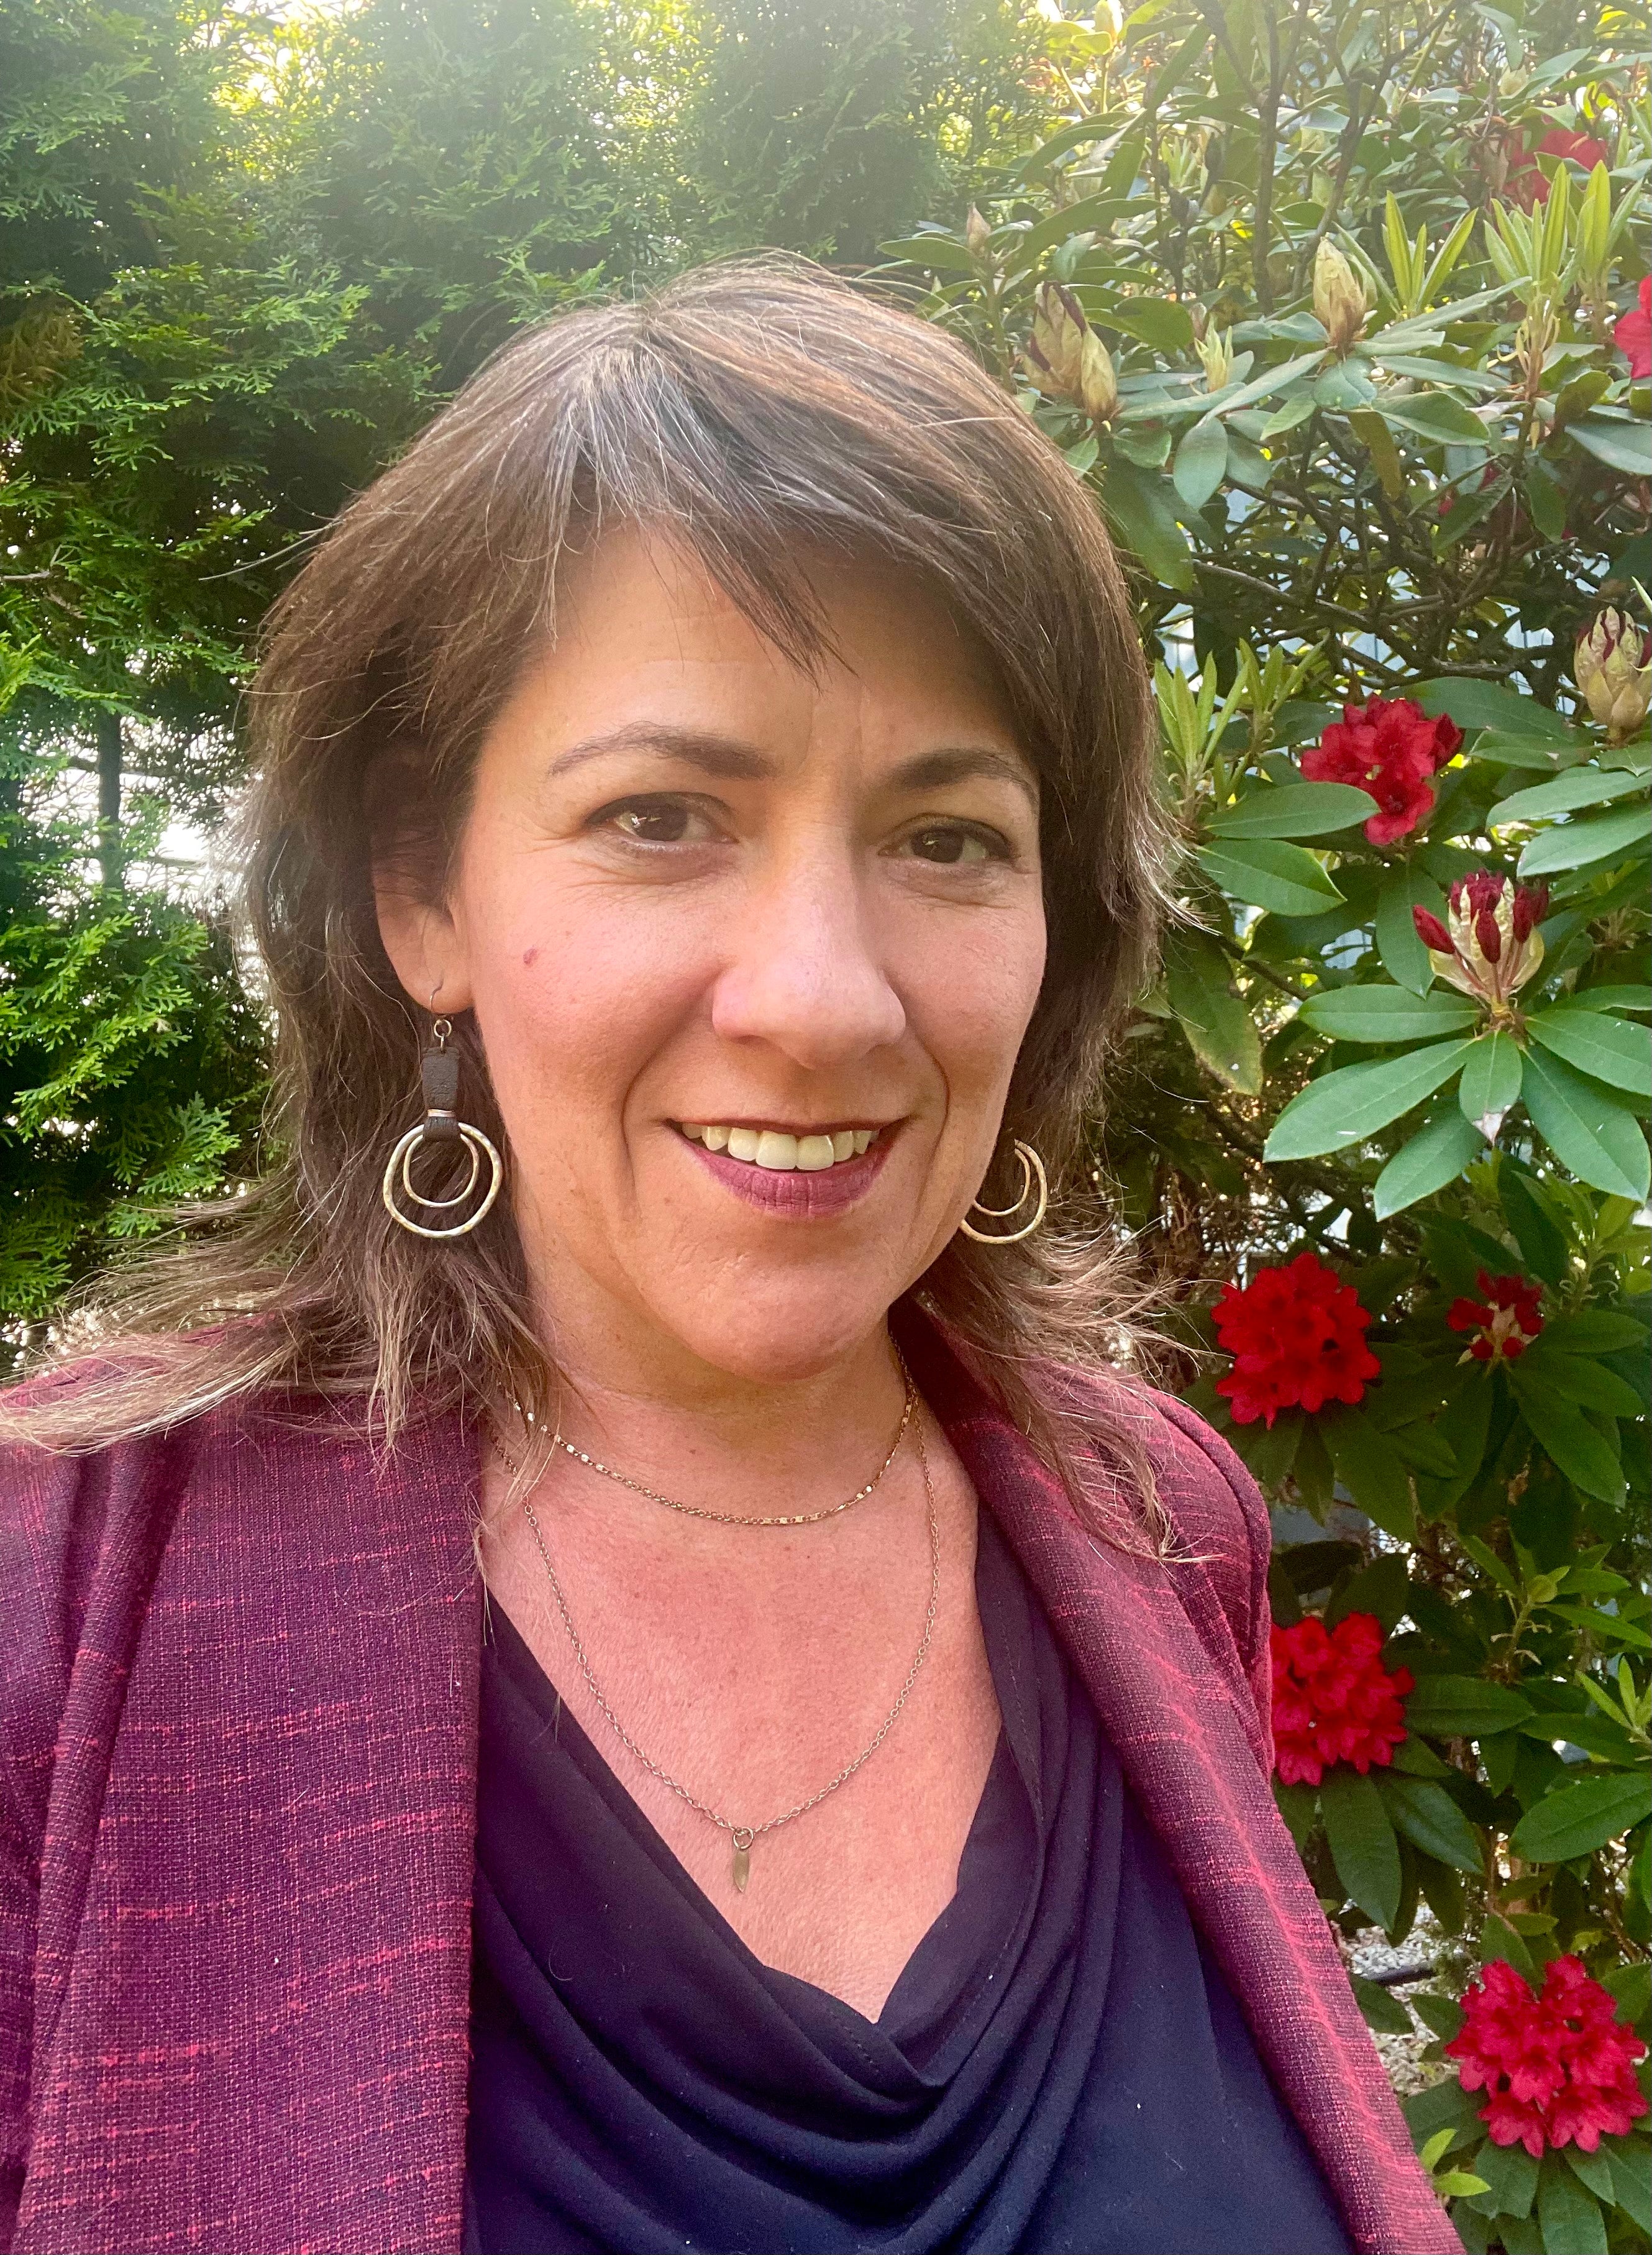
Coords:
1341,314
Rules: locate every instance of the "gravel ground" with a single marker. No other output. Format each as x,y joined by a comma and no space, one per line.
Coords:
1372,1953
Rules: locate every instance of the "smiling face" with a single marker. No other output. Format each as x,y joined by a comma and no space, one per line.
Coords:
751,953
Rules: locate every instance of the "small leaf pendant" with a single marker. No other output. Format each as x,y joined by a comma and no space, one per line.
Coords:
742,1840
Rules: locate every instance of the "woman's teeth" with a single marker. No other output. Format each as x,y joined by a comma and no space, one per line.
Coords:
781,1154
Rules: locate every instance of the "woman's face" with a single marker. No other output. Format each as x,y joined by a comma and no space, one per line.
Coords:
751,954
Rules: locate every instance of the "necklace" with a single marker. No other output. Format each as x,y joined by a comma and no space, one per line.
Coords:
742,1838
734,1519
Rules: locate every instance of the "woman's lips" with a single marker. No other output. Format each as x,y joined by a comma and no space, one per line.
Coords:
796,1195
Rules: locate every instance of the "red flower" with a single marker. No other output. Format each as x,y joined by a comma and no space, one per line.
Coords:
1558,2068
1295,1337
1632,333
1526,177
1390,748
1505,1322
1333,1700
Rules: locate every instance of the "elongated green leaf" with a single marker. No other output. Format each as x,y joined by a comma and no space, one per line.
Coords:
1403,954
1372,1470
1201,463
941,254
1431,1820
1435,1155
1138,505
1579,845
1594,2170
1382,2011
1295,810
1219,1028
1285,879
1595,1330
1586,1129
1436,416
1385,1014
1464,1707
1581,1382
1544,1243
1618,1054
1632,2187
1348,1106
1490,1082
1363,1847
1581,787
1509,711
1566,1435
1635,1000
1511,2180
1625,446
1568,2217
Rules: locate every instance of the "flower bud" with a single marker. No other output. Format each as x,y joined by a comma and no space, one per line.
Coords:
1215,351
1056,350
1491,946
1613,664
977,236
1097,381
1339,297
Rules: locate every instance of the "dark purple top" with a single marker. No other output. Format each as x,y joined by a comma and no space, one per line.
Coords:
1060,2066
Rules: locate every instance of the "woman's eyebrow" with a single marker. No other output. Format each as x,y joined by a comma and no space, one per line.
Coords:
698,747
958,763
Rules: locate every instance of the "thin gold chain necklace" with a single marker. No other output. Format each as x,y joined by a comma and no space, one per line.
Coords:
735,1519
744,1836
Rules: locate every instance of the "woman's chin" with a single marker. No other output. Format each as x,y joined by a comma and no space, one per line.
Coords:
782,1334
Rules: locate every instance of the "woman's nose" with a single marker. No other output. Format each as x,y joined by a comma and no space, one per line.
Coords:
804,972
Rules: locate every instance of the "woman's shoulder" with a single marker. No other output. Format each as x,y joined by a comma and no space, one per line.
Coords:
1201,1485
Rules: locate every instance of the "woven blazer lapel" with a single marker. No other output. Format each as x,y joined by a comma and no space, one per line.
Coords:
260,1835
1178,1707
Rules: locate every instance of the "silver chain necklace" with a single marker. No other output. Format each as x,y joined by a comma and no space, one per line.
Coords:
743,1836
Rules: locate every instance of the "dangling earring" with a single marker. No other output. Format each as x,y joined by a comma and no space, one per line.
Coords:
441,1125
1031,1172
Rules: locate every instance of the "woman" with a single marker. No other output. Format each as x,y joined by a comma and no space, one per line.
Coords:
704,840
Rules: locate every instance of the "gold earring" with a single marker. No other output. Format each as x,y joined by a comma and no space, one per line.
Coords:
441,1125
1031,1172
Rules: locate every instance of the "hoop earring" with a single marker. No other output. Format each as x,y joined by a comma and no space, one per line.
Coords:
441,1125
1031,1172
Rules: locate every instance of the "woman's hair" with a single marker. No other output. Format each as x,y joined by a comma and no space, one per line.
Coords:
763,415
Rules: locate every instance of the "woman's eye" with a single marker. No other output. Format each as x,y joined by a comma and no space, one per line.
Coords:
950,842
659,821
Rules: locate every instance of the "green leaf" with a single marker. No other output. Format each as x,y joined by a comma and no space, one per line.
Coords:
1568,2217
1402,953
1544,1244
1578,845
1219,1028
1464,1707
1348,1106
1295,810
1636,1001
1443,2015
1579,1380
1595,2170
1580,786
1138,506
1442,2105
1566,1434
1575,1820
1432,1821
1385,1013
1625,447
1632,2187
1363,1847
1490,1082
1380,1588
1595,1330
1498,1939
1435,415
940,254
1371,1468
1299,1806
1511,2180
1618,1054
1201,461
1586,1131
1285,879
1434,1156
1488,705
1382,2011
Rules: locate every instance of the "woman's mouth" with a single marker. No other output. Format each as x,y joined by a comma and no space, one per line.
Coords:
807,1177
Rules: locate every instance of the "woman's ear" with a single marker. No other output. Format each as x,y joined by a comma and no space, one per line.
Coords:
424,943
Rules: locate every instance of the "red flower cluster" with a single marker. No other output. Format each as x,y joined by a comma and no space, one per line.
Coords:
1389,747
1333,1699
1632,332
1296,1337
1505,1320
1527,181
1555,2068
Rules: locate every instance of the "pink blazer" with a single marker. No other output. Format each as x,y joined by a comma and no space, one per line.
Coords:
238,1777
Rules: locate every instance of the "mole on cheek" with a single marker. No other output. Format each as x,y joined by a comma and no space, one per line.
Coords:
530,959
